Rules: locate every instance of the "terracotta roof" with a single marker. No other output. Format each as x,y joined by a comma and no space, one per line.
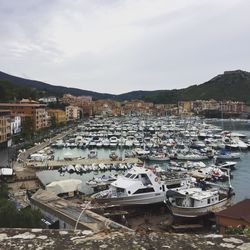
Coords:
240,210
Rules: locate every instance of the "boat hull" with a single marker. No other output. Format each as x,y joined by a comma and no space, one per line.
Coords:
140,199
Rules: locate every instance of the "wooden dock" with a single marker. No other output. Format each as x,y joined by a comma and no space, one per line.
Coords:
55,164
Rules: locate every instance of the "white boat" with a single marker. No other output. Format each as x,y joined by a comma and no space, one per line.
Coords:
139,186
113,141
191,157
92,154
158,157
196,202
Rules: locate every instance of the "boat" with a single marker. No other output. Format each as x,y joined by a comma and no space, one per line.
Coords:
158,157
226,155
139,186
113,156
92,154
195,201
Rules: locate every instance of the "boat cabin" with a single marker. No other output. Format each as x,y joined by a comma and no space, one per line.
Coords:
195,197
137,181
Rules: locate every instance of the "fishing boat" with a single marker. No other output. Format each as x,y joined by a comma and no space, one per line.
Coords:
199,201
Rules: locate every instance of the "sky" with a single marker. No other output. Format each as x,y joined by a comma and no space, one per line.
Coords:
117,46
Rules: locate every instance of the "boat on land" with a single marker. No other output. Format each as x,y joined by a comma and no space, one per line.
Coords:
139,186
198,201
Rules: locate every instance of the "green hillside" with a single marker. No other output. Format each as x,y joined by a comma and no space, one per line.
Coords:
11,92
233,85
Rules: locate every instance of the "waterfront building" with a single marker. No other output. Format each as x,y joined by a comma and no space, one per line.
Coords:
73,113
35,112
83,102
137,107
233,107
106,107
58,114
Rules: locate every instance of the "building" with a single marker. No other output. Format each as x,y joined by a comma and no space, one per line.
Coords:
137,107
35,112
106,107
58,114
50,99
235,216
15,125
5,129
233,107
83,102
73,113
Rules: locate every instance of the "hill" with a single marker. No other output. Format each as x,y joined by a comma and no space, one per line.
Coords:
48,89
233,85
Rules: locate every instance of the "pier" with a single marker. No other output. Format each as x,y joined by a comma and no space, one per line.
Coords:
55,164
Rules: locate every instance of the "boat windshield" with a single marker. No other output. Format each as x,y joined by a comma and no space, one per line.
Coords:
128,175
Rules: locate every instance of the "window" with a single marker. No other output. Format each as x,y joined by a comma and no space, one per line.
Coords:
144,190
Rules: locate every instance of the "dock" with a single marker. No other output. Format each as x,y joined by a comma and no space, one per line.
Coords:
55,164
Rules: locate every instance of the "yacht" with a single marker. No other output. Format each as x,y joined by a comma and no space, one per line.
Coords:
138,186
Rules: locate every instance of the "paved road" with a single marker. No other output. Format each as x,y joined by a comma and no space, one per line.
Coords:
23,156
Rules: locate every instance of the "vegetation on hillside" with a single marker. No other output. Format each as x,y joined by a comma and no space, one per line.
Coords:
11,217
11,92
233,85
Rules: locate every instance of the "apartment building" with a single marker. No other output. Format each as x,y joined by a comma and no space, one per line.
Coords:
73,113
58,114
83,102
5,129
34,111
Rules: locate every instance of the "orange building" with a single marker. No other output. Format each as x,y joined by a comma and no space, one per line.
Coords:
36,112
106,107
83,102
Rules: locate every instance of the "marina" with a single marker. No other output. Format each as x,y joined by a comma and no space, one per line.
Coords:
170,149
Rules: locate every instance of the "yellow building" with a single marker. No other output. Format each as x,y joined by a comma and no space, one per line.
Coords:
58,114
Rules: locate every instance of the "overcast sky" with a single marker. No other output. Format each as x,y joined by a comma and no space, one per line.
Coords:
116,46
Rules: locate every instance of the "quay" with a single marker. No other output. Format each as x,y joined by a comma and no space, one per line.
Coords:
55,164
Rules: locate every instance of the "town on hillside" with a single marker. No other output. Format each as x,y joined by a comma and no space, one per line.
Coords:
42,113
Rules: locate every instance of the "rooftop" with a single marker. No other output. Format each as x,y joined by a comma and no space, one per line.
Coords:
241,210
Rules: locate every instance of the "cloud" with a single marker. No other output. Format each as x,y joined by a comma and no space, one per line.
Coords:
122,45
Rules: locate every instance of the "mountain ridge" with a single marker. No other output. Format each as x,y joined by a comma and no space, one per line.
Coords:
234,85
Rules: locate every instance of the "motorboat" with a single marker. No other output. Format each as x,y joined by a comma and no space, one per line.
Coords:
92,154
158,157
139,186
226,155
113,156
